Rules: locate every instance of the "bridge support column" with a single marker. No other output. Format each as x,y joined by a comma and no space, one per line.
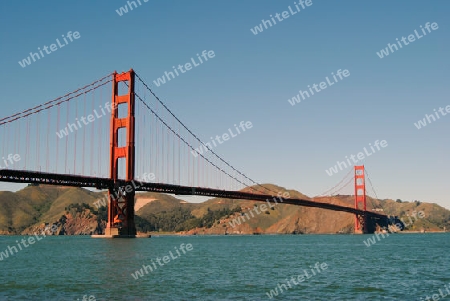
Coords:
361,222
121,197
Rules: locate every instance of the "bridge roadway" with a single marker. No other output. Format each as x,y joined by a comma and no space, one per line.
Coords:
21,176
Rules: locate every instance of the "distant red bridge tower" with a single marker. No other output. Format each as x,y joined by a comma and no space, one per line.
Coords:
360,199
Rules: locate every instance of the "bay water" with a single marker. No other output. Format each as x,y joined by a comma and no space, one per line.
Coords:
259,267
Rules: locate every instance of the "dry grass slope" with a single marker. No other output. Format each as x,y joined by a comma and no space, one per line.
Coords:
35,205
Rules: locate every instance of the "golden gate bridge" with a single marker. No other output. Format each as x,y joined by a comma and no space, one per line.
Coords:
102,137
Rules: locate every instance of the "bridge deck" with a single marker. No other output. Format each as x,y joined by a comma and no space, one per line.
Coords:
21,176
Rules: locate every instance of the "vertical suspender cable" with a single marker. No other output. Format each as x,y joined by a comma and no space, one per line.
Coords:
91,150
67,138
57,140
75,143
84,136
47,150
38,141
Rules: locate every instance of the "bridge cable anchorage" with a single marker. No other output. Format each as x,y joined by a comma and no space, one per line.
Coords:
198,139
373,189
57,101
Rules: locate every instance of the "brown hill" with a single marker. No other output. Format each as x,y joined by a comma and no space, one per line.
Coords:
71,209
285,218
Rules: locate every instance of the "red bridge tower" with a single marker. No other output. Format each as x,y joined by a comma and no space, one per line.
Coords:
121,205
360,199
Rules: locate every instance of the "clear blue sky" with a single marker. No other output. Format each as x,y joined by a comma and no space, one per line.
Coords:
252,77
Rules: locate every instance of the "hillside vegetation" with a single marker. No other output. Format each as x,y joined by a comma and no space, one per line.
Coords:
71,209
